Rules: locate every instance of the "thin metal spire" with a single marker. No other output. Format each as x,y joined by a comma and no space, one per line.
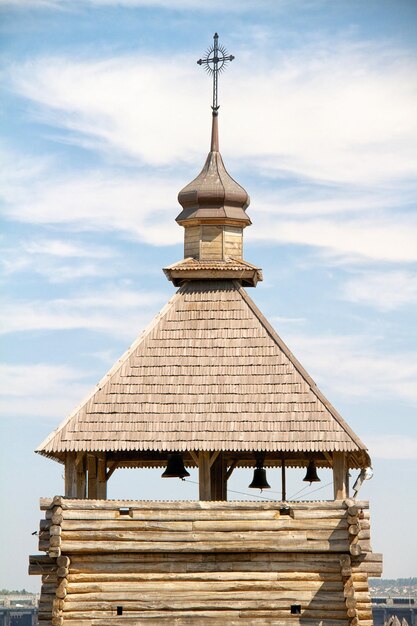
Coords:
215,61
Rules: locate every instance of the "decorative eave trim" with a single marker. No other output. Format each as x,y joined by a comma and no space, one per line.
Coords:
190,269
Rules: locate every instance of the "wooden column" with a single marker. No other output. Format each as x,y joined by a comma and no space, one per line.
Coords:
101,477
204,481
218,479
81,467
70,475
92,476
340,475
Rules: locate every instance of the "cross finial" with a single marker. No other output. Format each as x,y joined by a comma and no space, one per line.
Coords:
215,61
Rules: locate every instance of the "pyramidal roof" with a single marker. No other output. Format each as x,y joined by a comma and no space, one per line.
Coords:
209,373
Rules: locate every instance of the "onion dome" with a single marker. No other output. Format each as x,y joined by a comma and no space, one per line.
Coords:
214,196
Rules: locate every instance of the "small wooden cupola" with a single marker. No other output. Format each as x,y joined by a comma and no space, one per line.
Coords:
213,216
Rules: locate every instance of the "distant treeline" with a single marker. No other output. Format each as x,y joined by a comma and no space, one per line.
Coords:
14,592
401,582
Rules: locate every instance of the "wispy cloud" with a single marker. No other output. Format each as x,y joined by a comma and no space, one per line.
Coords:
343,114
57,260
382,237
115,312
146,208
392,447
353,366
385,291
141,205
40,390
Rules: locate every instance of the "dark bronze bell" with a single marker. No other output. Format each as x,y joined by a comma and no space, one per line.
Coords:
175,467
259,479
311,474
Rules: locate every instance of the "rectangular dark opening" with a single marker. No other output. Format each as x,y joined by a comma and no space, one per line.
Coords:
295,609
285,510
124,510
119,610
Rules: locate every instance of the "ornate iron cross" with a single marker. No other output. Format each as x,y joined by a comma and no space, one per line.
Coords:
214,62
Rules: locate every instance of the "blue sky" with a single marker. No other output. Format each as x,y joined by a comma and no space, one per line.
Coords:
105,117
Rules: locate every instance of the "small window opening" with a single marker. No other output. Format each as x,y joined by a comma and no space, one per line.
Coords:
124,510
295,609
119,610
285,510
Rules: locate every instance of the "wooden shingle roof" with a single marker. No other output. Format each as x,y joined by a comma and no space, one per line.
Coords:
209,373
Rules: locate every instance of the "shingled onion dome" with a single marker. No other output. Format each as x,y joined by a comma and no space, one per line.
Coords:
214,196
213,216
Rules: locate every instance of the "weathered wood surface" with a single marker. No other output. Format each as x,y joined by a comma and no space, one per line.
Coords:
205,563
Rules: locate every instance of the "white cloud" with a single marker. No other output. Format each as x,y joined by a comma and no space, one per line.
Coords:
385,291
141,206
40,390
56,247
381,237
58,261
354,367
114,312
341,114
392,447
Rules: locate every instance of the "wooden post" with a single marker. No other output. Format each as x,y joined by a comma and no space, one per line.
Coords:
101,477
218,479
283,481
70,475
340,475
204,476
80,464
92,476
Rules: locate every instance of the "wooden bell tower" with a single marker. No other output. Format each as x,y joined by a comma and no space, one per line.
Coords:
212,382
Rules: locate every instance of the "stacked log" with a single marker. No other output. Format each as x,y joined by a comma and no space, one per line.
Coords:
207,563
355,575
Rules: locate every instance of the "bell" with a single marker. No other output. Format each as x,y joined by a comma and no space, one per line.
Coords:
311,474
175,467
259,479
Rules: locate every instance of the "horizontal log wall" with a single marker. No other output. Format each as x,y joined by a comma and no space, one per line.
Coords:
205,563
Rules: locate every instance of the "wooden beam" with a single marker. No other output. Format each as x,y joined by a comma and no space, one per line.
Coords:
194,456
329,458
231,468
214,457
101,476
80,463
340,475
70,475
111,468
218,478
204,480
92,476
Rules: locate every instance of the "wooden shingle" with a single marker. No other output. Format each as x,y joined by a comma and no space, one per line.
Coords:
209,373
